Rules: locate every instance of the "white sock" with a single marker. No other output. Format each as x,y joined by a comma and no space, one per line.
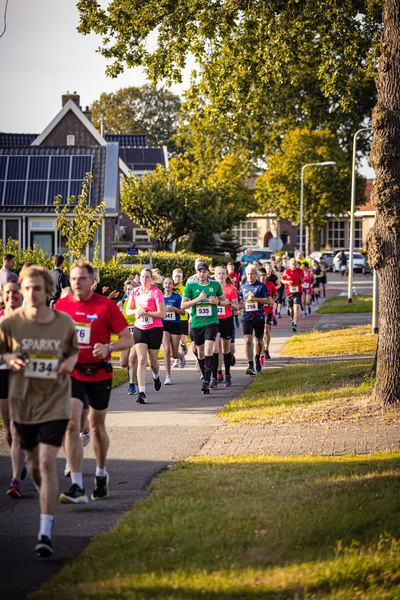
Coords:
154,375
77,478
142,388
101,472
46,525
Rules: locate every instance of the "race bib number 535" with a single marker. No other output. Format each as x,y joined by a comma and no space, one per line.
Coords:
204,311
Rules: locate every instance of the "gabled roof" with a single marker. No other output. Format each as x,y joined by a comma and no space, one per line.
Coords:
17,139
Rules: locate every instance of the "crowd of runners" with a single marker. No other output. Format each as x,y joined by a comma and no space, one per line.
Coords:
55,353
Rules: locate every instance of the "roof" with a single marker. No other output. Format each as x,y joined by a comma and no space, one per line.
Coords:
17,139
134,140
142,159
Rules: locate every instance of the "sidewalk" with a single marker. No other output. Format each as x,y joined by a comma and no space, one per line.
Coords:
177,423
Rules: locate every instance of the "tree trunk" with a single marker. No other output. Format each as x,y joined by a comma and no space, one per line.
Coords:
384,238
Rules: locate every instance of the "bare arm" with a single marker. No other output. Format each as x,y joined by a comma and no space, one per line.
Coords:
124,342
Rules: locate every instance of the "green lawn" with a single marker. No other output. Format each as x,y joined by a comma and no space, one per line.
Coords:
339,305
250,528
346,340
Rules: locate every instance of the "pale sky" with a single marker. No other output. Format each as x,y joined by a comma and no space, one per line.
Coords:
42,56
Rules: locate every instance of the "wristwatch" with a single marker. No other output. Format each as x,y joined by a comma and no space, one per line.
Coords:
110,348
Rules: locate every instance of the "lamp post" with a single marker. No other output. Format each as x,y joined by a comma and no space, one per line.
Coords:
321,164
352,211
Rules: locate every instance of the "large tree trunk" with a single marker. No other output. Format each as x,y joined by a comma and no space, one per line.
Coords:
384,238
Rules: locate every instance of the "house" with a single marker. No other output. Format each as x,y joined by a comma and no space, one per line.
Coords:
34,168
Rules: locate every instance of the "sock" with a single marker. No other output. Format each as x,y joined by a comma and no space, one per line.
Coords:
201,363
142,388
208,367
77,478
101,472
155,376
220,372
46,525
257,356
215,365
227,362
251,364
128,371
195,353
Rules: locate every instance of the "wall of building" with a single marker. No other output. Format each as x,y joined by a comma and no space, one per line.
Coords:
69,125
109,237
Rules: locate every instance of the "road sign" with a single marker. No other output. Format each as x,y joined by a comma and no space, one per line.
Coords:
275,244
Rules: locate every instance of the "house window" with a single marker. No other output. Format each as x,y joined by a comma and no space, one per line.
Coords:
12,230
298,236
336,234
70,140
358,242
285,237
247,233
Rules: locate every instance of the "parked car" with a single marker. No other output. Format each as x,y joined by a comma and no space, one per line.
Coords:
325,255
358,262
261,254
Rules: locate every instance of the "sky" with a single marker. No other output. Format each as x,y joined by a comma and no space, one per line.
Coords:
42,56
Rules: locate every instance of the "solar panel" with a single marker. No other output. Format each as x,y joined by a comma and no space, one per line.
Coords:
134,155
154,155
1,191
15,192
59,168
17,166
75,189
57,188
3,166
80,166
36,193
38,167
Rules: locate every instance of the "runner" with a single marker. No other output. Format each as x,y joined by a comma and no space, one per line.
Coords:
203,296
253,295
6,274
233,275
147,303
12,300
177,276
318,274
268,310
293,277
39,345
128,358
226,325
172,328
279,270
96,318
307,288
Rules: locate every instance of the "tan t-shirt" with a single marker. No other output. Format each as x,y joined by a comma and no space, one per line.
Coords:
37,394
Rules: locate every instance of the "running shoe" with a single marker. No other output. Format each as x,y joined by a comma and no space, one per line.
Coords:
257,364
184,349
294,327
157,383
220,378
309,310
279,315
182,362
75,495
44,548
228,381
251,371
100,491
168,380
176,363
24,472
233,360
131,389
15,489
141,398
67,469
237,322
198,365
205,388
274,321
305,315
266,355
201,375
85,436
214,383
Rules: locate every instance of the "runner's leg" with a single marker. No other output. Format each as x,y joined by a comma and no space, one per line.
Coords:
166,342
100,438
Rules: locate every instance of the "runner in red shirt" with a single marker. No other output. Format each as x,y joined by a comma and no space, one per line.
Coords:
293,277
268,311
234,277
96,318
226,326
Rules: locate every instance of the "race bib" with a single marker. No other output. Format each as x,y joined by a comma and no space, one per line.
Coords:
131,330
41,366
83,332
221,310
144,321
204,311
293,289
250,306
169,316
305,286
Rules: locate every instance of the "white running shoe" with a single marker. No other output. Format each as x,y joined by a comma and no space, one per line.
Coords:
85,436
176,363
198,365
168,380
184,349
182,361
67,469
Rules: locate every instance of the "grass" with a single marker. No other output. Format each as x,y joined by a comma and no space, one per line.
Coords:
340,305
119,376
250,528
306,393
347,340
115,355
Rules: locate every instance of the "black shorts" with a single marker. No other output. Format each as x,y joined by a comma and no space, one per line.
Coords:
172,328
268,319
4,383
151,337
256,326
293,299
280,294
50,433
185,327
200,334
323,279
226,328
98,392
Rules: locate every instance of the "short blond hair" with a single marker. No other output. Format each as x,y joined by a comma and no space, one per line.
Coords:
38,271
83,264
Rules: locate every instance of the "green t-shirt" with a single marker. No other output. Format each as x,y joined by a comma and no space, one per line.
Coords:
203,313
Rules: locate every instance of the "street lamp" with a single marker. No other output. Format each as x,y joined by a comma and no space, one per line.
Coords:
352,210
321,164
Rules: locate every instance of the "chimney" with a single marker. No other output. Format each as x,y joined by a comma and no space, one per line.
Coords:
103,128
74,97
87,114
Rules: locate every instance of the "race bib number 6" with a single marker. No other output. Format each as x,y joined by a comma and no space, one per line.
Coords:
83,332
250,306
41,366
204,311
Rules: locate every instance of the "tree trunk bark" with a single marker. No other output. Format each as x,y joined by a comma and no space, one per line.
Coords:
384,238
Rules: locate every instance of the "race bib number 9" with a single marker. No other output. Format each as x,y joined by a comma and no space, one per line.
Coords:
204,311
250,306
144,321
293,289
221,310
41,367
169,316
305,285
83,332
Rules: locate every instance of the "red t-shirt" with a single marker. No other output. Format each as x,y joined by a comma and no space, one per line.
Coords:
295,276
235,279
269,308
95,320
230,294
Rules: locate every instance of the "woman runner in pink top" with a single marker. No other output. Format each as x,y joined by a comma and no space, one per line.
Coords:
147,303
